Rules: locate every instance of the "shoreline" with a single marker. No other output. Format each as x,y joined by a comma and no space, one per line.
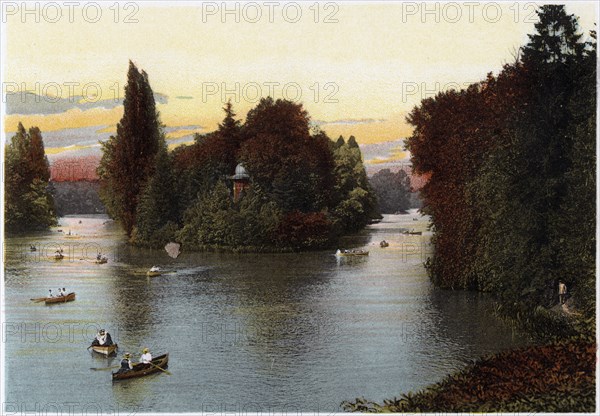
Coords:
555,377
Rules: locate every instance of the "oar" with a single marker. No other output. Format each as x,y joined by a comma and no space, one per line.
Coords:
38,299
105,368
161,369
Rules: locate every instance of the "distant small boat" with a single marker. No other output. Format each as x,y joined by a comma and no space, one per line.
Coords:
101,260
140,370
350,253
105,349
60,299
58,256
32,248
154,271
412,232
384,244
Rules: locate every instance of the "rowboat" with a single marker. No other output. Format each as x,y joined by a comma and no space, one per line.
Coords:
412,232
351,253
58,256
101,261
141,370
154,271
384,244
60,299
105,349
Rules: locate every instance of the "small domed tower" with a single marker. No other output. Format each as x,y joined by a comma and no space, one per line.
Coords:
241,181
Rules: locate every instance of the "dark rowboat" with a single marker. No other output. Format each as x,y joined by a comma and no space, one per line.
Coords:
60,299
141,370
105,349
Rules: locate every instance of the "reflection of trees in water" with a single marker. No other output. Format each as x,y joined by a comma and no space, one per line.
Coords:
467,318
272,307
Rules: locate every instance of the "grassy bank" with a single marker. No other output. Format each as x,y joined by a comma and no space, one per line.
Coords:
558,377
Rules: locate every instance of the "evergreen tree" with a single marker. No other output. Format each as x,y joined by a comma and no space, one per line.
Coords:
128,158
157,210
354,202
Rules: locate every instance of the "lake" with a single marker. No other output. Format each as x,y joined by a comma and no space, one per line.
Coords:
245,332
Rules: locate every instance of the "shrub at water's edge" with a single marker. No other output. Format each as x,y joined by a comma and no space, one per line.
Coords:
552,378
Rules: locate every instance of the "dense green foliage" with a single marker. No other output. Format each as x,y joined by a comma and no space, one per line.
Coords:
392,190
304,190
551,378
512,165
28,202
128,158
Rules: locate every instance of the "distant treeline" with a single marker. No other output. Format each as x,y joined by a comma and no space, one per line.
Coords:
512,159
305,189
393,191
76,197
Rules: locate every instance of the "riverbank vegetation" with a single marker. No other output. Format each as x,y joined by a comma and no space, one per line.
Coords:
555,378
512,188
304,190
512,200
28,203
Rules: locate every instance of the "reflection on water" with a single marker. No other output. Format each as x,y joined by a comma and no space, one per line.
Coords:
251,333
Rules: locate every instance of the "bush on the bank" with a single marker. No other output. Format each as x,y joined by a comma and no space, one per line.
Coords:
304,230
551,378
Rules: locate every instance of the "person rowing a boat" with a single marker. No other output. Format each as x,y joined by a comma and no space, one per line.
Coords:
126,364
50,295
103,338
146,357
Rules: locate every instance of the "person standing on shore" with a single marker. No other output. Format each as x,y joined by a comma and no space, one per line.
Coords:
562,292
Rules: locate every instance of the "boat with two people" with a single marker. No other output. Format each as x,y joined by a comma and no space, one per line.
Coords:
158,364
69,297
351,253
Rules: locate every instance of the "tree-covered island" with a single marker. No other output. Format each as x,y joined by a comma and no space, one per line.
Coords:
272,183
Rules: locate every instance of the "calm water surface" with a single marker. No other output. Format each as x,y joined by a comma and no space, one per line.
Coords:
251,333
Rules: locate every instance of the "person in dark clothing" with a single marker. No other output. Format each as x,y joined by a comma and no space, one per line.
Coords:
126,364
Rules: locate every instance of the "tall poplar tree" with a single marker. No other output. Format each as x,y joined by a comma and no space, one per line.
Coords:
129,157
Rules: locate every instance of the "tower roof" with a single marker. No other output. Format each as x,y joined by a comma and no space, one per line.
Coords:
240,173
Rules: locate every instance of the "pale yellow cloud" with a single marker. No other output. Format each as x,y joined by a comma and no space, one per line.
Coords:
58,150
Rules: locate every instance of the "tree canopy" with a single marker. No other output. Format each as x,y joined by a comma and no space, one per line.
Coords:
28,202
512,173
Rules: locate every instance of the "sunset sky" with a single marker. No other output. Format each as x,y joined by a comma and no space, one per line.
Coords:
358,67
